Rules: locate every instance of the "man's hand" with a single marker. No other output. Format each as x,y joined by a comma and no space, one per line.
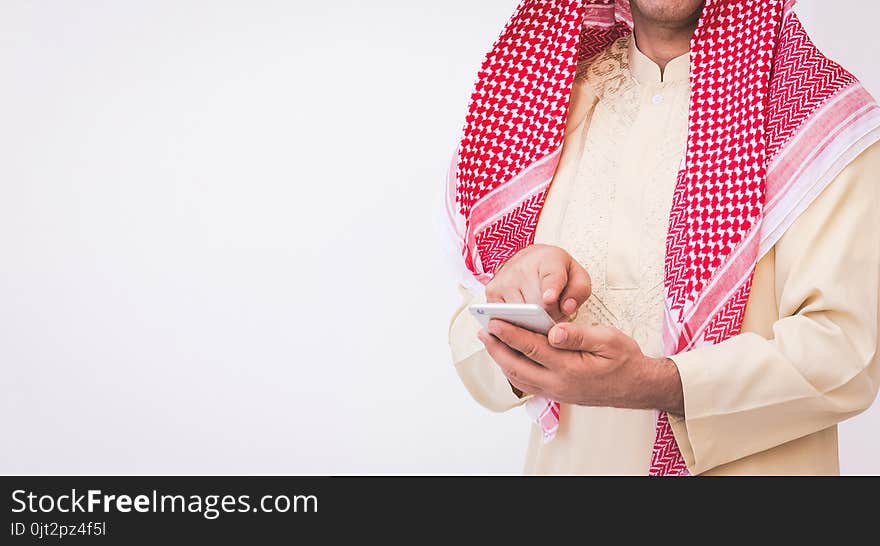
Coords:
584,365
543,275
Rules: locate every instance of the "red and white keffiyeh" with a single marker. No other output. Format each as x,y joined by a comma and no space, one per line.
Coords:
771,123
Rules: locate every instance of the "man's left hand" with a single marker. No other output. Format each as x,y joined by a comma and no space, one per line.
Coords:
584,365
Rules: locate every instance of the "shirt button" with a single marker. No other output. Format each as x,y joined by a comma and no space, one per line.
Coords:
657,99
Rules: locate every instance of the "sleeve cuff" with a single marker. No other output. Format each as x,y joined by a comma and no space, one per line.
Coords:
487,384
680,431
692,369
479,373
463,341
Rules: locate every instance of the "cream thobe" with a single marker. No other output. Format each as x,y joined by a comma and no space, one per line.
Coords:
764,402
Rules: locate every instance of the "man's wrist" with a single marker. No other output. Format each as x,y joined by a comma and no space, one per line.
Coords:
665,391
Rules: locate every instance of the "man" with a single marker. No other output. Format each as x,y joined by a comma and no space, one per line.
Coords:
691,189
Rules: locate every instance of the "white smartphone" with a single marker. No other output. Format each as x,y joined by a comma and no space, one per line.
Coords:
525,315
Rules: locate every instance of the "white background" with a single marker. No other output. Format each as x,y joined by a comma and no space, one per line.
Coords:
217,250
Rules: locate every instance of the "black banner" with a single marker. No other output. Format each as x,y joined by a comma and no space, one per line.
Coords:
269,510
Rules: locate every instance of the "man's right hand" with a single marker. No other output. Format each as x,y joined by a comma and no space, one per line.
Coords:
544,275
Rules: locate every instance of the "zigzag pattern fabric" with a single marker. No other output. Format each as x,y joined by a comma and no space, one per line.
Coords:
757,82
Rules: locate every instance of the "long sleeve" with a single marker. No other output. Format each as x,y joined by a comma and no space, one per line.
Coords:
818,363
479,373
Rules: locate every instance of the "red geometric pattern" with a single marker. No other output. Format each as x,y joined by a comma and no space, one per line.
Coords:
512,233
727,322
721,194
667,459
755,80
803,80
595,41
517,111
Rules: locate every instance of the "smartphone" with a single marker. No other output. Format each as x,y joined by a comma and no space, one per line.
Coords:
525,315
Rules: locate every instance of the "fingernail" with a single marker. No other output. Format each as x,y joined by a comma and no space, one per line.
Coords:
570,306
549,294
483,335
559,335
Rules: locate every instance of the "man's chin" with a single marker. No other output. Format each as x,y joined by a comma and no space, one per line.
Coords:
669,13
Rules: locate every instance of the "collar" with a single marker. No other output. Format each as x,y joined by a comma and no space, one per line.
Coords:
644,70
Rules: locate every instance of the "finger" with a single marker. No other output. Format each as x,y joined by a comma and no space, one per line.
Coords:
577,290
514,293
553,279
534,347
531,292
524,288
515,366
578,337
504,293
493,294
527,389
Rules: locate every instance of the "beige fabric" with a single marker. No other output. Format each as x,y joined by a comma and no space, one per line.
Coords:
766,401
